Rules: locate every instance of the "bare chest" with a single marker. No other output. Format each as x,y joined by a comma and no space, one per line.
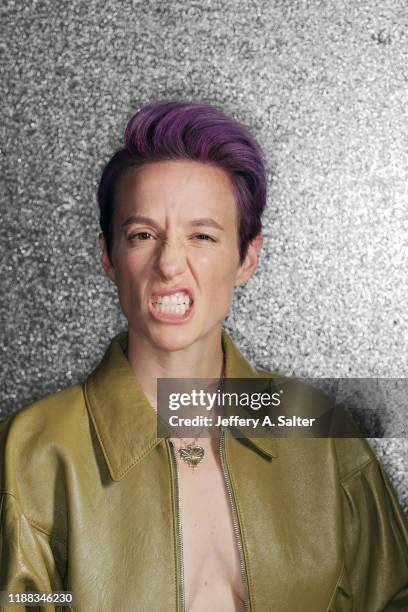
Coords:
211,563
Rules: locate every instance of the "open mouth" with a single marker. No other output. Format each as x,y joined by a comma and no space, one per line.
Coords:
176,304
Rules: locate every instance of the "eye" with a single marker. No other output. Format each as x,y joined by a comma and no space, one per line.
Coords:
139,236
204,237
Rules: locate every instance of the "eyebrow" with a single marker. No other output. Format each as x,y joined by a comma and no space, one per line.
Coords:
203,221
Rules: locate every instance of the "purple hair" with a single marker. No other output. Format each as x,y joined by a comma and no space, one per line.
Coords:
173,130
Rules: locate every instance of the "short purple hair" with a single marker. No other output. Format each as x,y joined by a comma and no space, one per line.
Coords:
182,130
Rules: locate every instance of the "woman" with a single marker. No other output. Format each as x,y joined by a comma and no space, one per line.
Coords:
95,503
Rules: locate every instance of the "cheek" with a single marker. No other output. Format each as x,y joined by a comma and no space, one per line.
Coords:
129,278
221,265
133,265
216,275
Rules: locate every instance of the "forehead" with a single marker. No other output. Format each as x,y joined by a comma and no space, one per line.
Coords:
183,188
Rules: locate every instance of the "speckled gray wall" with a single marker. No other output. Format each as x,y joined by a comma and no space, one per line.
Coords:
323,85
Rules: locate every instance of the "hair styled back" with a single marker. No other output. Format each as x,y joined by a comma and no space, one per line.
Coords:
182,130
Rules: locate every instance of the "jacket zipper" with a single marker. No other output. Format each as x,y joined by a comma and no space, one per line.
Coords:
227,478
234,517
179,537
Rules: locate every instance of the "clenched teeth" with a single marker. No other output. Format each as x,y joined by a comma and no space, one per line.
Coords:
176,303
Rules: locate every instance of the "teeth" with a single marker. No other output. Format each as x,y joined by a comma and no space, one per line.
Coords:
176,303
175,299
172,308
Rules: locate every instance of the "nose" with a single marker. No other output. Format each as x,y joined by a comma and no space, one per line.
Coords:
171,260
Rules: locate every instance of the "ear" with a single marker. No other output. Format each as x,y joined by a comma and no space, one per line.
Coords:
248,266
105,261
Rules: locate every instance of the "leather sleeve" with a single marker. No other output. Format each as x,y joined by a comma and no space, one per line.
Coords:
26,559
375,575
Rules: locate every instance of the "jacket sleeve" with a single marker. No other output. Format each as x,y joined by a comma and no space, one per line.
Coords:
27,561
376,542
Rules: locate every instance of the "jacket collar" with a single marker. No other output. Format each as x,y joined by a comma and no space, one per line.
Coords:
124,421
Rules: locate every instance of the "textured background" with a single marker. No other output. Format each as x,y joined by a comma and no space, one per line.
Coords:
323,85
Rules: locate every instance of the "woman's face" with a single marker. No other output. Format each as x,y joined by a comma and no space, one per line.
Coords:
175,233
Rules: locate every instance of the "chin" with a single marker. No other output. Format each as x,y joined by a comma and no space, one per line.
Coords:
173,338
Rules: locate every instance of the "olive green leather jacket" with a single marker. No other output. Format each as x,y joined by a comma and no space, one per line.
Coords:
89,505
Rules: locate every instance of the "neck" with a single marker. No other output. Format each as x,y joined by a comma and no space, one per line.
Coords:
201,359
